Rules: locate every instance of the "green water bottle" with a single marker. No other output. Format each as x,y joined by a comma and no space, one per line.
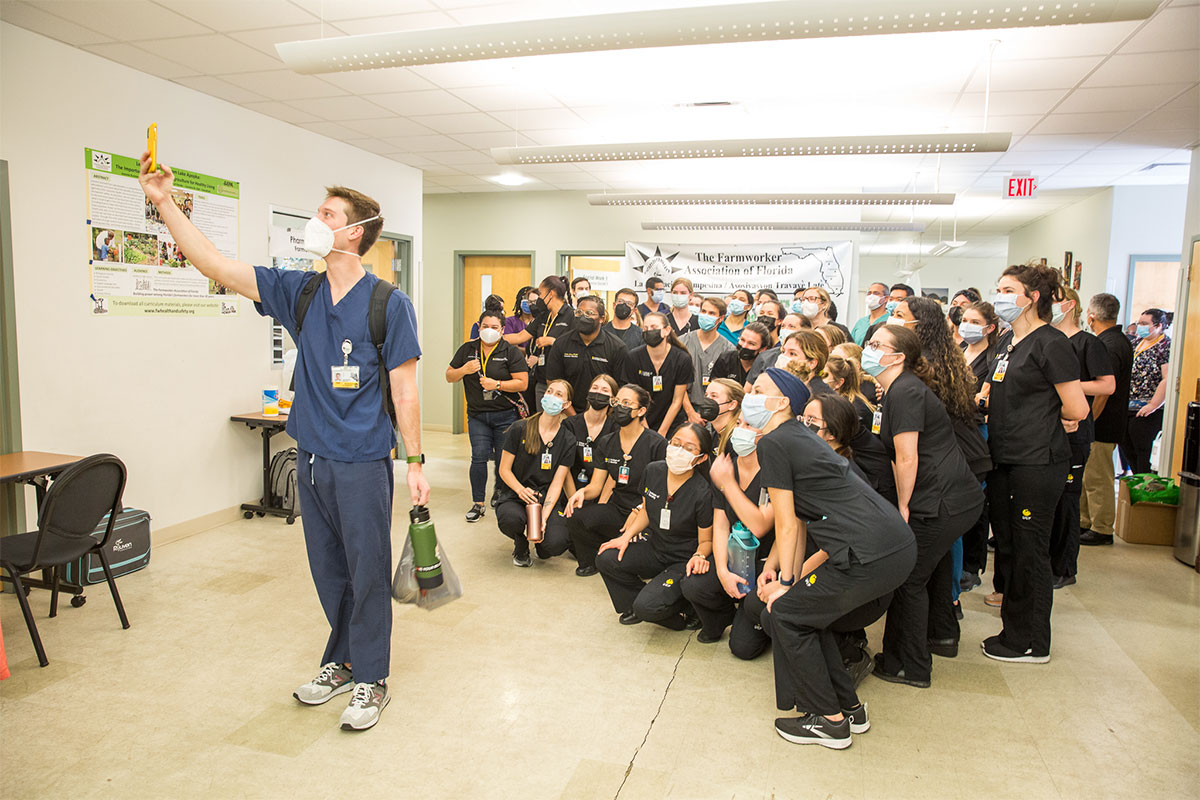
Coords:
424,544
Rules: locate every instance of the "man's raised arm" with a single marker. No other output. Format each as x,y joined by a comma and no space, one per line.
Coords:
237,275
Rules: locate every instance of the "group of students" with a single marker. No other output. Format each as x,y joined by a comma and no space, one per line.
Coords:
864,468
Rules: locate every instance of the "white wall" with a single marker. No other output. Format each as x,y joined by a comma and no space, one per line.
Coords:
945,272
1084,228
157,392
1147,220
545,223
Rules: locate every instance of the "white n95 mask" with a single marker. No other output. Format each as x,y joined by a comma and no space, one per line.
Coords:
318,237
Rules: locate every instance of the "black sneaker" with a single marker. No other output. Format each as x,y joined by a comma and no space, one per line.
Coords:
859,669
969,581
476,513
896,677
704,638
691,622
521,557
946,648
859,723
630,618
585,572
815,729
994,649
1092,539
1065,580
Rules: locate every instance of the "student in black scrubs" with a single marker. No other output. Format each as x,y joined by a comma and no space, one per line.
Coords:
656,292
738,497
625,322
585,351
680,316
727,394
770,313
1033,394
538,452
663,367
806,351
493,373
735,365
834,419
938,496
979,331
1097,380
589,427
553,318
842,378
667,539
617,483
862,550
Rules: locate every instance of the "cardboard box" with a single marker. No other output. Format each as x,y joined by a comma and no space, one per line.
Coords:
1144,523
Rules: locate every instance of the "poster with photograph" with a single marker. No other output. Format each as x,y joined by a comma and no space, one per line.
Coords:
136,267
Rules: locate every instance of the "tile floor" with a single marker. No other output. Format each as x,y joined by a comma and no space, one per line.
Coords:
528,688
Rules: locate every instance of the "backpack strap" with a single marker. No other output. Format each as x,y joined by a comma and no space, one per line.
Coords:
377,322
303,301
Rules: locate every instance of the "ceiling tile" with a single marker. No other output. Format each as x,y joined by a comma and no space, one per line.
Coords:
137,58
214,54
485,141
465,159
1035,74
281,111
411,159
387,127
357,9
430,188
507,98
1056,158
1180,138
265,39
1119,98
432,101
337,109
1138,69
1169,119
441,174
332,130
219,88
1011,103
379,81
462,123
283,84
1016,125
232,15
1065,41
1079,142
124,20
426,144
1125,154
397,22
468,73
1169,29
372,146
34,19
1099,122
538,119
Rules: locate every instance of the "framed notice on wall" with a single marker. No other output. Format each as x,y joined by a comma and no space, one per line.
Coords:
135,266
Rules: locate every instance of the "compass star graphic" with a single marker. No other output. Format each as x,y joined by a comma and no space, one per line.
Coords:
656,265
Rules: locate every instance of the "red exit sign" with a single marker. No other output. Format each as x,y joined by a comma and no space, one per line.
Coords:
1020,187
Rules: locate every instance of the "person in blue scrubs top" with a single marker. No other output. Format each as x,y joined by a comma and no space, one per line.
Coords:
343,434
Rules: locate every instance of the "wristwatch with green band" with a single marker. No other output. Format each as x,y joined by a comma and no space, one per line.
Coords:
418,459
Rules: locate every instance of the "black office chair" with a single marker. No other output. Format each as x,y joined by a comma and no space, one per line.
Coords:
76,502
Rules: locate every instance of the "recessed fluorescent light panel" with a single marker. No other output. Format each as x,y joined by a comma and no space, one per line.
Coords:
752,22
744,148
783,226
809,199
510,179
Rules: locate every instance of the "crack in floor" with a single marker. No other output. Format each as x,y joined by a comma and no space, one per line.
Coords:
666,691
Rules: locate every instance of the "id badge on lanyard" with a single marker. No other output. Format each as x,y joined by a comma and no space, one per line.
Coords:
547,460
587,454
664,518
623,473
656,383
876,421
345,376
1001,369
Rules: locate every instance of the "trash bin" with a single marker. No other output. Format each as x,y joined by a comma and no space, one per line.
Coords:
1187,520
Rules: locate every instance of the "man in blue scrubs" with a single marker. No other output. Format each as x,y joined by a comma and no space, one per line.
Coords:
343,434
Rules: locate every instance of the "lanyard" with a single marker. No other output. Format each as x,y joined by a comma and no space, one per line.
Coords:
1145,345
483,360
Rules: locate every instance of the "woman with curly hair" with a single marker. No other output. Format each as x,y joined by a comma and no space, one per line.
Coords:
950,378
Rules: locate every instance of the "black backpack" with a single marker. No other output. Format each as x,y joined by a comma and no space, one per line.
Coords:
376,322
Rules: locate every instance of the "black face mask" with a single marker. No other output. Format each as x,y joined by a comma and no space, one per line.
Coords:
623,311
597,400
540,307
622,415
586,325
769,322
652,338
815,427
746,354
707,408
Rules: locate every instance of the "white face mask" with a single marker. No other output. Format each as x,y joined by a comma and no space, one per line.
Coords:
318,237
810,309
874,301
679,460
894,321
783,361
489,335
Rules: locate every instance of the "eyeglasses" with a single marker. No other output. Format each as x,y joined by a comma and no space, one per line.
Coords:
631,404
691,448
876,346
588,314
813,422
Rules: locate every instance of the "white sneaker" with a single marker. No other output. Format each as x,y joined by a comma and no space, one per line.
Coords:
332,680
366,705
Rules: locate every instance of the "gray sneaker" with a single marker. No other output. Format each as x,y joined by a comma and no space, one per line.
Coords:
332,680
366,705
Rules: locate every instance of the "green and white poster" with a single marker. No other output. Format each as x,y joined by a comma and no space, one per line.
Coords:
136,267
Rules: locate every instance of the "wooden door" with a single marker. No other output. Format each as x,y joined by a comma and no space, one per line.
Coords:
378,260
484,275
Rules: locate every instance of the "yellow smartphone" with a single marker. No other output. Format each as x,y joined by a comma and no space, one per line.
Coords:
152,145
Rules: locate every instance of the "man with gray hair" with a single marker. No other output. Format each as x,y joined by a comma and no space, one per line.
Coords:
1097,505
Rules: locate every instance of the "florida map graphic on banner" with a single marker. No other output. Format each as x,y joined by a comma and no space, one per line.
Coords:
719,269
136,267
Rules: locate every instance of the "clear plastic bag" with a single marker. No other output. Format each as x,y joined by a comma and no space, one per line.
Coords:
406,590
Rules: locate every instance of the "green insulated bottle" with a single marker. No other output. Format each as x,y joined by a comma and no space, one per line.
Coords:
424,544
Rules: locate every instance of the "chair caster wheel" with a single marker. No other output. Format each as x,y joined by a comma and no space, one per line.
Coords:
78,600
291,520
259,514
248,514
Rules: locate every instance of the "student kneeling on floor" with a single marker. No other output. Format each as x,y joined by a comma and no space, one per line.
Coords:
669,537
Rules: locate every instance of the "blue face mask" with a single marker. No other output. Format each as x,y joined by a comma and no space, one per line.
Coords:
1143,331
525,307
755,411
797,306
657,295
552,405
892,305
1006,308
695,310
737,307
744,441
871,361
1057,315
706,322
970,332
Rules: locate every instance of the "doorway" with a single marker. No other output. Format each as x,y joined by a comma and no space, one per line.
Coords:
12,495
1153,281
477,276
603,271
